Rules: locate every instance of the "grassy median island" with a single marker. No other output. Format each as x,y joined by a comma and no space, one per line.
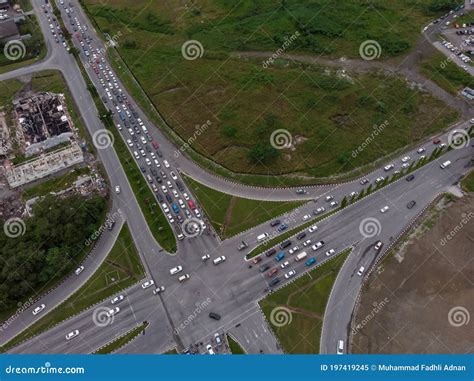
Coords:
231,215
327,112
121,341
306,300
234,346
468,182
122,268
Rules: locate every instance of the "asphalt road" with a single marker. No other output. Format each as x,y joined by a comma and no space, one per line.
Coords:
180,315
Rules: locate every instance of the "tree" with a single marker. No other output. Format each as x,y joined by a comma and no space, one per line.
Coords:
262,153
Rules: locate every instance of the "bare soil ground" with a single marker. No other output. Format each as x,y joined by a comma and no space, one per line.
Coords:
421,300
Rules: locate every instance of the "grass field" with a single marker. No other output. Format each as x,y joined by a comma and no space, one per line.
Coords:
231,215
468,182
305,300
234,346
121,341
246,103
446,73
121,269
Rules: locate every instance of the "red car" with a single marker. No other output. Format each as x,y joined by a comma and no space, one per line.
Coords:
256,260
191,204
272,272
154,144
436,141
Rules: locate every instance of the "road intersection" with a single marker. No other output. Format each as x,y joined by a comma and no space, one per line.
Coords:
233,288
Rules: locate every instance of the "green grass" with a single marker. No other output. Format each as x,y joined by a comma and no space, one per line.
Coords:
306,298
446,73
121,269
121,341
245,102
468,182
231,215
235,347
171,352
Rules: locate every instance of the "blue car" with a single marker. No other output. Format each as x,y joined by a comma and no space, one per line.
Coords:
175,208
282,227
310,262
280,256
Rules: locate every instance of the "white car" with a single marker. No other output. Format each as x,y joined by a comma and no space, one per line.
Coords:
159,290
306,217
307,242
173,175
176,270
130,143
184,277
290,273
209,349
72,334
293,250
329,198
378,245
175,193
164,189
405,159
353,194
317,245
79,270
113,311
170,218
169,184
205,257
165,208
312,229
117,189
186,197
319,210
38,309
285,264
166,164
117,299
384,209
330,252
388,167
148,161
217,337
333,204
361,271
405,165
148,283
340,347
219,260
181,204
379,179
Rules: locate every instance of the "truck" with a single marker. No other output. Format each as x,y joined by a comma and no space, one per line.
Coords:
301,256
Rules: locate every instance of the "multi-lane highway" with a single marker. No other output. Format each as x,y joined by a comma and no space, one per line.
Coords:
180,315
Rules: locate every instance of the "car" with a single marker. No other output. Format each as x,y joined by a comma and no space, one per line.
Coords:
214,316
333,204
307,242
282,227
242,244
340,347
285,244
148,283
436,141
420,150
405,165
280,256
312,228
388,167
205,257
264,268
410,177
186,197
405,159
378,245
361,271
256,260
117,299
209,349
318,245
384,209
38,309
176,270
285,264
319,210
329,198
275,223
164,189
217,337
310,261
306,217
191,204
72,334
330,252
79,270
353,194
166,164
158,290
363,181
184,277
218,260
301,235
411,204
301,191
113,311
293,250
270,252
378,180
274,282
173,175
290,274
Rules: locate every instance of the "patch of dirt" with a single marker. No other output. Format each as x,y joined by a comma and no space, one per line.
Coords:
425,302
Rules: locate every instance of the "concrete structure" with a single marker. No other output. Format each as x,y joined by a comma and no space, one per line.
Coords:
9,31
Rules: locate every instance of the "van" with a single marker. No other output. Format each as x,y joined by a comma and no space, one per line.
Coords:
261,237
445,164
301,256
